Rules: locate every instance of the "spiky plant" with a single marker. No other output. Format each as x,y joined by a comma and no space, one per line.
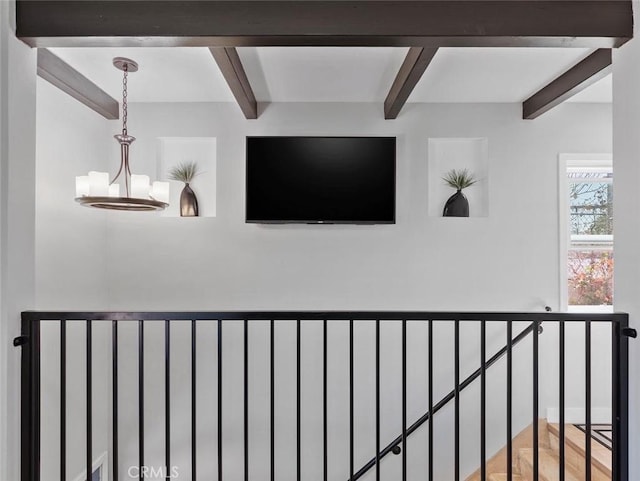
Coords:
184,172
459,179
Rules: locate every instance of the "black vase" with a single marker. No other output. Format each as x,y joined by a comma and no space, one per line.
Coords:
457,206
188,202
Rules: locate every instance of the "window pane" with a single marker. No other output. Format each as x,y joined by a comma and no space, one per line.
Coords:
590,277
591,208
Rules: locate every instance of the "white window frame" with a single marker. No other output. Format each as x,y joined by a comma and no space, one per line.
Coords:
566,161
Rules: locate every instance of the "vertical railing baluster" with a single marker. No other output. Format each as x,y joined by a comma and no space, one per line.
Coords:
587,360
272,394
561,374
30,399
536,451
193,402
89,400
483,401
298,400
63,400
219,399
404,400
430,395
324,402
140,398
457,400
620,397
561,362
114,399
351,456
509,401
167,398
246,400
617,430
377,400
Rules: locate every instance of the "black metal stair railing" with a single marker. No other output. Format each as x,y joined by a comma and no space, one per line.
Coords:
30,342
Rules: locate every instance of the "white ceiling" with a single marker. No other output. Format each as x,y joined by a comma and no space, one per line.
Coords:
322,74
165,75
333,74
492,74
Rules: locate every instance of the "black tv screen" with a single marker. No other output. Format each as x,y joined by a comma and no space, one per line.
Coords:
349,180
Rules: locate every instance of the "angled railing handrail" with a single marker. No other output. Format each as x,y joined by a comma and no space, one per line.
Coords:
446,400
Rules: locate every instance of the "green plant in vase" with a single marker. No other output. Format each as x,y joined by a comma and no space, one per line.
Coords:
185,172
457,205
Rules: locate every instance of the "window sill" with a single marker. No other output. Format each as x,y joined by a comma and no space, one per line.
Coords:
590,309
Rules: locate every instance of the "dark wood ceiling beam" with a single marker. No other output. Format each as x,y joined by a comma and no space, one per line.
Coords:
577,78
233,72
410,73
424,23
62,75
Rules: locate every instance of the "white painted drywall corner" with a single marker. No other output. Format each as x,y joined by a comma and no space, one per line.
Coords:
626,152
17,223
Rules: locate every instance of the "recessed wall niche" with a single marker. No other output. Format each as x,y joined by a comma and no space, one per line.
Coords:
458,153
174,150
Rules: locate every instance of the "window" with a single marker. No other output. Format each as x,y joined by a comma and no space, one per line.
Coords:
588,223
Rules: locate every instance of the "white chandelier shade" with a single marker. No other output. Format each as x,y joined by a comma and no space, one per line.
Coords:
96,184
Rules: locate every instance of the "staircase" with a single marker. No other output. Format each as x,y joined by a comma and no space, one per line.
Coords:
549,461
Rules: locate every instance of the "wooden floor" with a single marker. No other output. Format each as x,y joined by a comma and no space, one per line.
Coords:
548,457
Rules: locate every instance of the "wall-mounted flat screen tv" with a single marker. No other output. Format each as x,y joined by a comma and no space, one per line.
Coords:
323,180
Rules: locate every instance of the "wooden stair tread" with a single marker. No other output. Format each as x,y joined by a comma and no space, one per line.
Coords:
575,438
548,465
497,463
503,477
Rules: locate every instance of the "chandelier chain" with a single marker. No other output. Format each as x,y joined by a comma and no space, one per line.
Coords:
124,99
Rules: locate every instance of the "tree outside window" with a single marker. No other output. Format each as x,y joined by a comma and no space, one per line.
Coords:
590,256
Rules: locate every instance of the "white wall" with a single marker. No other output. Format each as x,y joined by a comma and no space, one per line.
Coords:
17,223
71,242
505,261
421,262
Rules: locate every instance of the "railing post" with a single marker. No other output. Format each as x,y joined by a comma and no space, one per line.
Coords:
30,400
620,399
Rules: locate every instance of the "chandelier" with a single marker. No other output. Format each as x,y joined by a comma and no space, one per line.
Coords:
95,189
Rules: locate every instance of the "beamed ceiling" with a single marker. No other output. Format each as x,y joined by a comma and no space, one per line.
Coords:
538,52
